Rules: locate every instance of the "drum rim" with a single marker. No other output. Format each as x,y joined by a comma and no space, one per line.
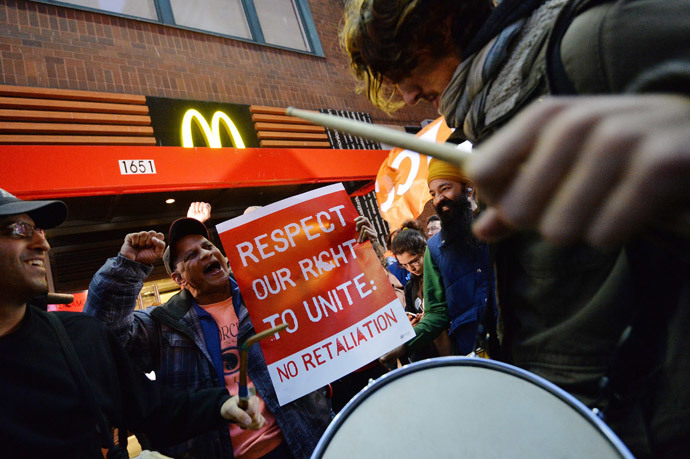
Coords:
525,375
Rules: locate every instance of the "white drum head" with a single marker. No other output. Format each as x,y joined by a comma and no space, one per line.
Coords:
466,407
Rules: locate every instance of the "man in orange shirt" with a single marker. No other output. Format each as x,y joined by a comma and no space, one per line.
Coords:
192,341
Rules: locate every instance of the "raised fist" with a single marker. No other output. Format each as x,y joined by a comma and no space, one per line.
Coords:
145,247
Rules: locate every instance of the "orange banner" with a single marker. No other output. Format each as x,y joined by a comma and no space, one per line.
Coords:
401,188
298,262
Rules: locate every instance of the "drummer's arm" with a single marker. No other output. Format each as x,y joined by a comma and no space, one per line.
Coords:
435,318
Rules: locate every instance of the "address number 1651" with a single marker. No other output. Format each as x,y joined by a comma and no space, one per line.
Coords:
137,166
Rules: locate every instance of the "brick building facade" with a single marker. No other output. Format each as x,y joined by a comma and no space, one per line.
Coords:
54,46
50,44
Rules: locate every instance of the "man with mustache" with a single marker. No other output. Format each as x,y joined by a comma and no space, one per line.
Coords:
193,340
457,273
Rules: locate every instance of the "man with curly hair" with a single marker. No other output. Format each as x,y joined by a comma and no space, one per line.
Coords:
587,196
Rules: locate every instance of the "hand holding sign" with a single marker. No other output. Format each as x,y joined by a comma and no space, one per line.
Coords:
364,229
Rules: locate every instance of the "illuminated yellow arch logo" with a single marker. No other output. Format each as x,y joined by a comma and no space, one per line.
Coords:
212,132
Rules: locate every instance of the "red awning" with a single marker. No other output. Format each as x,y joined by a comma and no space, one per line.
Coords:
37,172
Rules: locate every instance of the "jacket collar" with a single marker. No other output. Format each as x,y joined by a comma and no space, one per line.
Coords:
178,305
175,313
178,313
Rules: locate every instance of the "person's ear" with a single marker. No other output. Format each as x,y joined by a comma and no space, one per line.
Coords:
179,280
472,198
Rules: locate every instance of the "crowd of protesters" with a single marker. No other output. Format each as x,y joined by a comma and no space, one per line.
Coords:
583,201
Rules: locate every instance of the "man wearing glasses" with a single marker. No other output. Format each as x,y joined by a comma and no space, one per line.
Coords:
62,374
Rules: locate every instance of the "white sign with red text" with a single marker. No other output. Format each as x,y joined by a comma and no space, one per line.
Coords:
298,262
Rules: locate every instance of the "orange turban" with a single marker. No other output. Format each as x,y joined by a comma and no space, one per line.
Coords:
441,169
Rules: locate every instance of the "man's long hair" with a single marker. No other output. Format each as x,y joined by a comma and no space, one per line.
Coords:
385,39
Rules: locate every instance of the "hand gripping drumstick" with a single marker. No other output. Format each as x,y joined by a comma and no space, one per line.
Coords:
243,392
443,151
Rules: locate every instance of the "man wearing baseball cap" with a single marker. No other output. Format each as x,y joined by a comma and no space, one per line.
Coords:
24,248
192,341
64,378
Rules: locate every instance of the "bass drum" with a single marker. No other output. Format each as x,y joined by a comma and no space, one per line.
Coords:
457,407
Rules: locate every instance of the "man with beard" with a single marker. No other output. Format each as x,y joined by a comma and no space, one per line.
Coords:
457,272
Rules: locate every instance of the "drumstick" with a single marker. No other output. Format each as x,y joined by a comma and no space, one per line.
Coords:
243,393
443,151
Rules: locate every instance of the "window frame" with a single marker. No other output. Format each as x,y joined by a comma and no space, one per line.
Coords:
166,17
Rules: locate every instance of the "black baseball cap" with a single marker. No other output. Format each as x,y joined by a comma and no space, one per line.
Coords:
45,214
178,229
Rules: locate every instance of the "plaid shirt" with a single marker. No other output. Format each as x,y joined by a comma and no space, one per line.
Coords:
169,340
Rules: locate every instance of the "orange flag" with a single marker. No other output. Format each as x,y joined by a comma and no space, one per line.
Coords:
401,188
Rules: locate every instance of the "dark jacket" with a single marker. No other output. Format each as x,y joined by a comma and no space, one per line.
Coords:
411,290
44,414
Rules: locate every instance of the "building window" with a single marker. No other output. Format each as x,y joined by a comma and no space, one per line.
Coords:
138,8
283,23
219,16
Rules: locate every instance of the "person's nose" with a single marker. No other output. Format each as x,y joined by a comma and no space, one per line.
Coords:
39,241
437,199
410,95
206,253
